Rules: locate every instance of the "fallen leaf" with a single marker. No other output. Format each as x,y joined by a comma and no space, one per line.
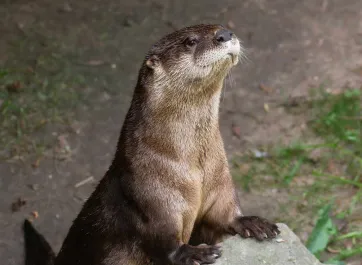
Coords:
334,91
33,186
62,150
15,206
63,143
36,163
300,181
334,251
231,25
236,130
14,87
265,88
42,122
30,70
95,62
316,154
266,107
332,167
35,214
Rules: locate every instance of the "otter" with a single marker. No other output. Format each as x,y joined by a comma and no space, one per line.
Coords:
168,196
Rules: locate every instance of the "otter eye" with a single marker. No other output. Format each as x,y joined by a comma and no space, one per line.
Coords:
191,42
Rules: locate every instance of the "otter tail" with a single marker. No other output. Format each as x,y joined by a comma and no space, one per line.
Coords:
37,249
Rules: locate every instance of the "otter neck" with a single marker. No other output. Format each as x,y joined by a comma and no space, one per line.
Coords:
193,105
172,127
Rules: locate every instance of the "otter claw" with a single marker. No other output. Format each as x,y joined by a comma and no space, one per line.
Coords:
256,227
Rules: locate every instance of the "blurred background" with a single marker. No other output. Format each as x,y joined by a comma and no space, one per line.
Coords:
290,115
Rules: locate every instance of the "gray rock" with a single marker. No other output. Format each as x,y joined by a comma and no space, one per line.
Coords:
286,249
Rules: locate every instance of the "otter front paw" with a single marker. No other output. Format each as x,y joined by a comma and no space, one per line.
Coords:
257,227
196,255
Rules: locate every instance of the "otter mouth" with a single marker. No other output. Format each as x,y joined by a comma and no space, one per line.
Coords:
233,57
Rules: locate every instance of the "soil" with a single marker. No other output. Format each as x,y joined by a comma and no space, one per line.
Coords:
292,46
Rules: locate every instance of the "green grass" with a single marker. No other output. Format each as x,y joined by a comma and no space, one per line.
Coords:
37,88
324,180
341,118
41,99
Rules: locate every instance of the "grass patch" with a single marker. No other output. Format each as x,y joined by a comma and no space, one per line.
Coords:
316,175
38,86
341,118
47,75
30,99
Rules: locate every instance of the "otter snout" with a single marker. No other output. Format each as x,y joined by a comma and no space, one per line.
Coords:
223,35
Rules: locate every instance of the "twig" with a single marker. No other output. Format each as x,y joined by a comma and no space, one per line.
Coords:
346,254
83,182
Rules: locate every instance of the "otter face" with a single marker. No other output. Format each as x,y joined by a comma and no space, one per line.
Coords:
195,53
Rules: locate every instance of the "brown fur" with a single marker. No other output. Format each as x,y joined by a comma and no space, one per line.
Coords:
169,188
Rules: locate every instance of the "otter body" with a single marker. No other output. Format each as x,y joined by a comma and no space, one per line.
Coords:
168,196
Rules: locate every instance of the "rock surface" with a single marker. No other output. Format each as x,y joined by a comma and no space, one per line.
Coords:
290,251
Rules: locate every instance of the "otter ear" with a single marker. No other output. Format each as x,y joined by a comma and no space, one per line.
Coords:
153,61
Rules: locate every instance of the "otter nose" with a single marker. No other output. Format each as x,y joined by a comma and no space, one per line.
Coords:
223,35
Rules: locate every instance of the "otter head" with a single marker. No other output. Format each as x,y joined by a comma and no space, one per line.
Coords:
201,54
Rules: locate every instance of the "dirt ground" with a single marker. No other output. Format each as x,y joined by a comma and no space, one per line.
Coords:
292,46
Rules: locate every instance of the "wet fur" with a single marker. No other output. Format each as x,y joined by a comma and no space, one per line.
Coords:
168,189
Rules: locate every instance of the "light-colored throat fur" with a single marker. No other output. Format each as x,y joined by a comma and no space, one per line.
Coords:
178,124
